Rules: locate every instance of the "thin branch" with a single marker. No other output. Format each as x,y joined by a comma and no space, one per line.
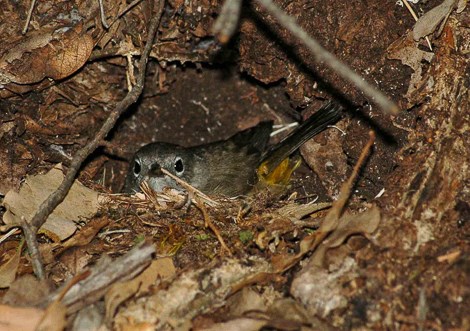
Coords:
9,234
345,192
28,19
129,7
30,235
412,12
101,276
58,196
332,219
190,188
208,223
227,22
103,15
322,55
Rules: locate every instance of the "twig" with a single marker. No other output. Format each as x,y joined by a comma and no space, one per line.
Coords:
8,234
226,23
30,234
129,72
190,188
118,16
103,15
332,218
53,200
210,225
322,55
28,19
412,12
125,10
102,275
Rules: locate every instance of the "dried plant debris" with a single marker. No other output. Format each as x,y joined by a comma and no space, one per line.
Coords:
20,318
406,50
191,294
398,262
9,268
54,53
159,270
430,21
80,203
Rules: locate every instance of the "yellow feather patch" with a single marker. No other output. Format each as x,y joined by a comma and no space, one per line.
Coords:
278,178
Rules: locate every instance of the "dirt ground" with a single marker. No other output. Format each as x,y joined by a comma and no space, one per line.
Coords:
410,271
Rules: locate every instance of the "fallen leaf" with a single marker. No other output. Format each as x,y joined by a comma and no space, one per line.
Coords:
247,324
54,318
429,22
19,319
27,290
159,269
363,223
54,53
80,202
87,233
9,268
406,50
244,301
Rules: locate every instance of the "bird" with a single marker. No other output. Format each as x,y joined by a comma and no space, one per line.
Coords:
230,167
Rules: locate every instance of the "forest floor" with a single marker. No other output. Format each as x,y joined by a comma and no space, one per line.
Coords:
398,257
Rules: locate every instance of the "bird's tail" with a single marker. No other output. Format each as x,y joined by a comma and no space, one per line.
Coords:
328,114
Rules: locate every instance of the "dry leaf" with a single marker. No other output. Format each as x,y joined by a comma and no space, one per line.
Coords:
246,324
363,223
54,53
19,319
26,290
429,22
162,268
244,301
80,202
9,268
406,50
86,233
190,294
297,211
54,319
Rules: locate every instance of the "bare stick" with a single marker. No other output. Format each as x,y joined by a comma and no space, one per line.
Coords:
30,235
412,12
28,19
332,218
190,188
53,200
322,55
101,276
331,221
129,7
210,225
103,15
226,24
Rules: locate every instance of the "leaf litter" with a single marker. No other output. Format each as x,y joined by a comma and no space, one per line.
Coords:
290,245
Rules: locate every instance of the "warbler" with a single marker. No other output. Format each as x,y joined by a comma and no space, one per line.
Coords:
230,167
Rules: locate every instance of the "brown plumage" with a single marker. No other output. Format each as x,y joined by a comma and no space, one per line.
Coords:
227,167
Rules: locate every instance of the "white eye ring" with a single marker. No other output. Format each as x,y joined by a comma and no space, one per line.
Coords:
137,168
178,166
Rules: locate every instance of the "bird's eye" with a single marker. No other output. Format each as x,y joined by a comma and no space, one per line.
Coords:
179,166
137,167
